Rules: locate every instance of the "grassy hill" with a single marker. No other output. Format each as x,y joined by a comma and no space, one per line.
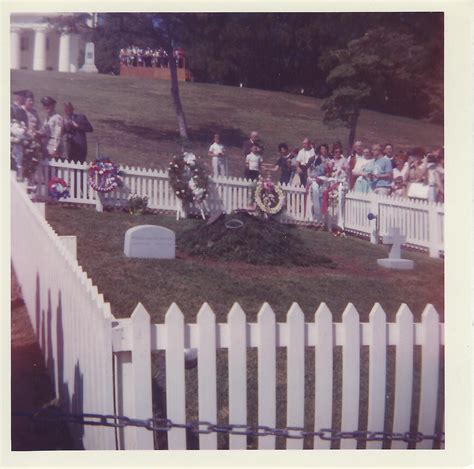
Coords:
134,119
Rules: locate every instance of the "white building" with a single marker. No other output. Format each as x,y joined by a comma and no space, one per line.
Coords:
35,45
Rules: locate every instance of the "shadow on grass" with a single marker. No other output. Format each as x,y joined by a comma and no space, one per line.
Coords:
204,134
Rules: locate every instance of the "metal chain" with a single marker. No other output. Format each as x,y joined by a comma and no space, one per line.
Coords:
201,427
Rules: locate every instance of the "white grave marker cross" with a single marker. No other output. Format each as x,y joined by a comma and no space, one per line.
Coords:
396,239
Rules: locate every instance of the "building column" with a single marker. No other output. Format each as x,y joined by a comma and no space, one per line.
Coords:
64,52
39,51
74,53
15,58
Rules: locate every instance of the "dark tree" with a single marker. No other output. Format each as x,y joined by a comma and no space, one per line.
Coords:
370,67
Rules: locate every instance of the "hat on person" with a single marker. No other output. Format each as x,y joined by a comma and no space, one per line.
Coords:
48,101
19,93
28,94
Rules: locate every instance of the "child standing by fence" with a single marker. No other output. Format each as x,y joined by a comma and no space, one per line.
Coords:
216,151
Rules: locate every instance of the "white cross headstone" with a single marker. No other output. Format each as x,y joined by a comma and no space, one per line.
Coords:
394,259
396,239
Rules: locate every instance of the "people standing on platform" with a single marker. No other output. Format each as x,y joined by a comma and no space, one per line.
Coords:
217,153
52,129
75,128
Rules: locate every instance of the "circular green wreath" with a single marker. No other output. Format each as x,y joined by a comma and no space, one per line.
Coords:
188,178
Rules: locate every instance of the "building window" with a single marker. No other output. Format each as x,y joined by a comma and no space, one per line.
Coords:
24,43
47,43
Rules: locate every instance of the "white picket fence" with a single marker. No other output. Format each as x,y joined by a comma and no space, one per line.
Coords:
71,320
138,336
422,222
100,364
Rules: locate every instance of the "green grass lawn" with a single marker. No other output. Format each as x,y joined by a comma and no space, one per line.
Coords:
189,282
134,119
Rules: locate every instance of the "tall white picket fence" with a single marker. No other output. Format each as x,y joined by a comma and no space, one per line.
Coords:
422,222
69,316
136,338
102,365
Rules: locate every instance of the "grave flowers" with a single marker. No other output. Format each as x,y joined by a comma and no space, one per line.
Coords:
104,176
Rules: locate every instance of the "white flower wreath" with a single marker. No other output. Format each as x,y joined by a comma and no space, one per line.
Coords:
269,198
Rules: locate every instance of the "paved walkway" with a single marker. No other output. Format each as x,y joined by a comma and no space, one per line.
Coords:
30,384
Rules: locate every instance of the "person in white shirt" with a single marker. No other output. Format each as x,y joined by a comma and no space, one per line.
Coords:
400,175
352,160
303,159
217,152
253,162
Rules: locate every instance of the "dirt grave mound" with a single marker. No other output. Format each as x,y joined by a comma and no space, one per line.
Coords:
243,237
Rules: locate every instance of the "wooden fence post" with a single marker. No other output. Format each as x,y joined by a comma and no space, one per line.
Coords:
237,373
134,382
374,208
350,374
175,380
266,373
429,374
99,202
323,373
295,373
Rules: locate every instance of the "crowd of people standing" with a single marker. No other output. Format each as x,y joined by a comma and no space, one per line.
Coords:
376,168
134,56
59,136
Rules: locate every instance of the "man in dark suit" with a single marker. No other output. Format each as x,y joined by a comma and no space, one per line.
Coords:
16,110
75,128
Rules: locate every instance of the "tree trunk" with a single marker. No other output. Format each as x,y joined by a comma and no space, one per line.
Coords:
353,127
183,128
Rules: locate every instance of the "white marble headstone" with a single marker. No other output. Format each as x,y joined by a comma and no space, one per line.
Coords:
150,242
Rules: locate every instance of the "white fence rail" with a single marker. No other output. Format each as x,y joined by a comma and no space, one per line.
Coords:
69,316
81,339
422,222
323,335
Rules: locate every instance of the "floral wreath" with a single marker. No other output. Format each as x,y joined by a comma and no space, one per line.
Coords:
31,147
104,176
268,197
188,178
58,188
